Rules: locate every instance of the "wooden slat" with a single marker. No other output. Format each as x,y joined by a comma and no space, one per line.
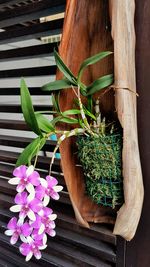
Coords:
4,3
17,108
58,250
35,31
14,124
22,142
16,91
31,11
28,72
8,193
28,52
42,161
93,247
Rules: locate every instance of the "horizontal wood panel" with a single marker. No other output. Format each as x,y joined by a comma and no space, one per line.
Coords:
28,72
35,31
22,142
14,125
4,3
16,91
31,11
14,108
41,50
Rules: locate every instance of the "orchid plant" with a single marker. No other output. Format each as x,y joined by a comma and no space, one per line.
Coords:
35,219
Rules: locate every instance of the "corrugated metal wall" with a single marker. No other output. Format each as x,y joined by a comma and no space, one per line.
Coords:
23,53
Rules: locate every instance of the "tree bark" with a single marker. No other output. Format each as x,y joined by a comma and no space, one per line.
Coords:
85,33
122,15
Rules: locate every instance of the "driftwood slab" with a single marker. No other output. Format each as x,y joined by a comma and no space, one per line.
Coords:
122,15
85,33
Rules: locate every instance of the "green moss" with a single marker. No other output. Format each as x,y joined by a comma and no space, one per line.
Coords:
101,158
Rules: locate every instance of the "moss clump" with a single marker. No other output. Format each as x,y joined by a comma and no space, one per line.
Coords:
101,158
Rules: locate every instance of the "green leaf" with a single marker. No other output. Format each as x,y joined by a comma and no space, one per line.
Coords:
71,112
55,120
55,102
64,69
99,84
90,103
56,85
92,60
64,120
88,113
68,120
45,112
44,124
27,108
31,150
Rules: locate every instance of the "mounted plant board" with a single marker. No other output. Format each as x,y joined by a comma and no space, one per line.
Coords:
73,53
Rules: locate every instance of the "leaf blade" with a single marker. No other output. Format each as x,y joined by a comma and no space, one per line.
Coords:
92,60
27,108
99,84
44,124
56,85
30,151
64,69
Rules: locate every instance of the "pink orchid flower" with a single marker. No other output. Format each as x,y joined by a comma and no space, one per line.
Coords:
47,189
17,229
45,222
27,205
31,248
25,178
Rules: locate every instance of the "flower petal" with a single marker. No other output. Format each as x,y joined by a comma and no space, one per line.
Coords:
43,247
31,215
58,188
52,224
20,221
20,188
30,239
34,178
37,254
30,170
51,232
14,181
41,230
43,182
31,190
36,205
51,181
44,239
37,237
53,217
26,229
20,171
9,232
12,225
46,200
40,192
46,212
14,238
29,256
23,239
21,198
36,224
15,208
22,215
54,195
25,249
